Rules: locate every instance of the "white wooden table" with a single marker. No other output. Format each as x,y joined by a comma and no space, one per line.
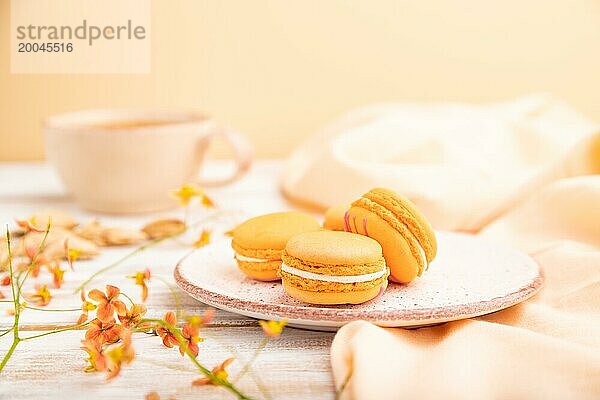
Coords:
295,366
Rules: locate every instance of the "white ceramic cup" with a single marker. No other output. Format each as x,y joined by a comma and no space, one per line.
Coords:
127,161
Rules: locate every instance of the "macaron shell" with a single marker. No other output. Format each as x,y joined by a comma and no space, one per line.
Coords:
272,231
397,224
403,265
261,271
332,298
408,213
334,217
333,248
266,254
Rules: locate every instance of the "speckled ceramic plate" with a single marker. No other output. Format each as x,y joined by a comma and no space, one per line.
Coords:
469,277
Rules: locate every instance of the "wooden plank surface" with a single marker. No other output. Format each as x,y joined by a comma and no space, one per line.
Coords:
295,366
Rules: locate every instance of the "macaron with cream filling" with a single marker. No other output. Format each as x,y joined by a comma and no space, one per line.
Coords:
408,240
259,242
331,267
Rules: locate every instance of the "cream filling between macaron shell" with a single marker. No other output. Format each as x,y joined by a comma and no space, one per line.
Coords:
421,252
240,257
332,278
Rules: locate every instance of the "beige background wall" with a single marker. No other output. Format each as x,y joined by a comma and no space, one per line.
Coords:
280,69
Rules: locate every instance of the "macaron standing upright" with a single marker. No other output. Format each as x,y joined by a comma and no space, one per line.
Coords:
259,241
332,267
407,238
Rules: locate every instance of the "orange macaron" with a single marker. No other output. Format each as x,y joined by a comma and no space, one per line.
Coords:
259,242
408,240
330,267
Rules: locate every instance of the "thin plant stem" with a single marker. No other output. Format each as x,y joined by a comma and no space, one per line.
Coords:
6,332
44,309
35,257
214,378
257,380
17,306
68,328
52,309
128,298
10,352
248,365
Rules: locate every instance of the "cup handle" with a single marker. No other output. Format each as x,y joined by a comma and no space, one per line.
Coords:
243,154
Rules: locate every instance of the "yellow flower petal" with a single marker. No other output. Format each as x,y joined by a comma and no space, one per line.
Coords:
273,328
203,240
187,192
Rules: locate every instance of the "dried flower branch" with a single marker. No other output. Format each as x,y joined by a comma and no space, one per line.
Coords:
219,371
108,337
272,329
15,328
215,379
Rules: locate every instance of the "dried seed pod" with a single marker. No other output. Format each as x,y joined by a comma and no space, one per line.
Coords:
55,244
163,228
122,236
58,219
105,236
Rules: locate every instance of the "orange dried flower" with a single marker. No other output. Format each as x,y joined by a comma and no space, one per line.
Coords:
191,336
199,321
152,396
82,318
141,277
5,281
203,240
133,316
32,253
117,355
155,396
2,296
219,371
28,225
103,332
272,328
108,303
168,338
57,274
86,307
41,297
71,254
97,361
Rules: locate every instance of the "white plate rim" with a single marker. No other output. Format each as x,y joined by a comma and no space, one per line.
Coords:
335,316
